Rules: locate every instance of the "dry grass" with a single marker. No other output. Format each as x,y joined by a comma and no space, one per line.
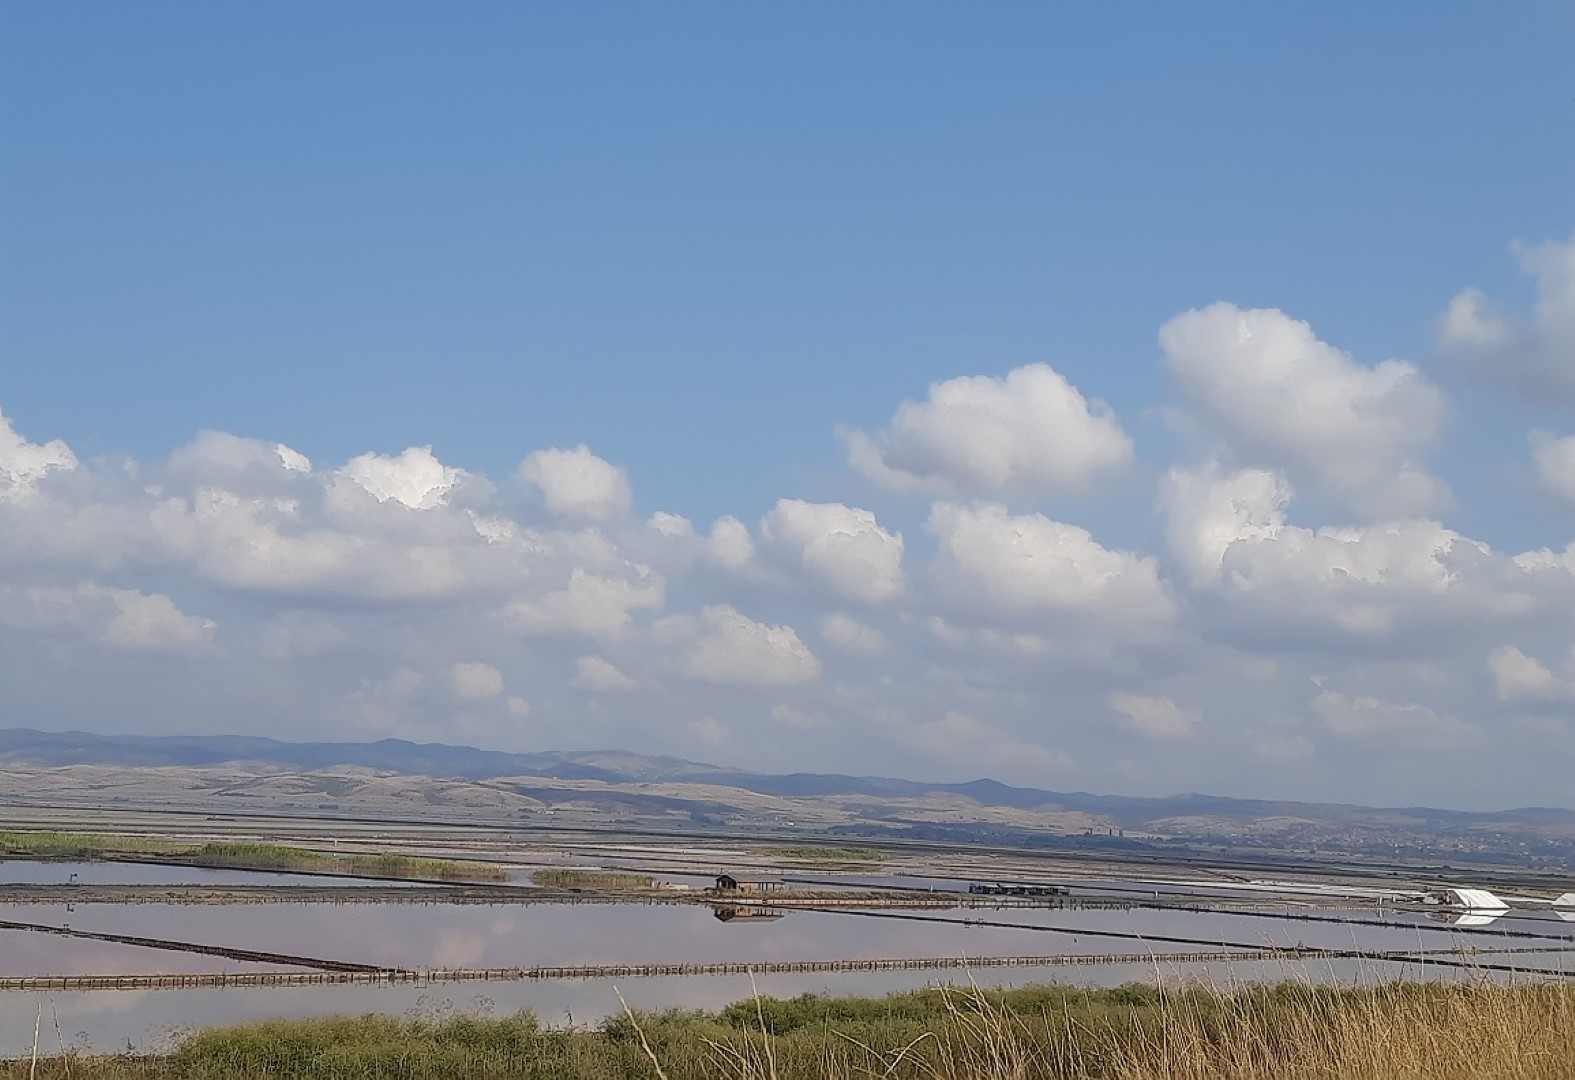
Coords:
1467,1032
1292,1032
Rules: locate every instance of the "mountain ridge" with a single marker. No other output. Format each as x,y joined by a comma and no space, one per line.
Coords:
444,760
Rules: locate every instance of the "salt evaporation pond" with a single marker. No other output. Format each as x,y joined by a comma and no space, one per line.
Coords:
442,935
23,953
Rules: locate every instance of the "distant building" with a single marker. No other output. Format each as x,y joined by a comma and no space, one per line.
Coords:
746,883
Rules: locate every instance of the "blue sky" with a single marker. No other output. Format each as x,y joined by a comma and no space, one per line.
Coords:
700,240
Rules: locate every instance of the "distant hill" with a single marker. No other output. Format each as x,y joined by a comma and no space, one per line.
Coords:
391,755
620,767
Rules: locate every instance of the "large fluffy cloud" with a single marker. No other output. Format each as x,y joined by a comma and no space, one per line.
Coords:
1368,717
731,648
1028,564
1519,677
1031,431
217,458
575,483
1153,715
1208,510
843,632
729,545
594,673
1278,584
1283,399
589,604
840,546
23,463
475,681
124,618
276,545
414,478
1555,460
1409,583
1534,354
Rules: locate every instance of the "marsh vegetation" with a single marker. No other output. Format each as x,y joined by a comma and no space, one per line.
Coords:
1294,1030
241,855
821,853
593,880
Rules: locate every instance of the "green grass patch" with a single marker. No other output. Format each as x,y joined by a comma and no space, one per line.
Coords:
598,880
821,853
422,867
50,844
262,857
241,855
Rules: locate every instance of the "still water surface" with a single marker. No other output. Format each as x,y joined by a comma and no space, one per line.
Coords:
507,935
437,935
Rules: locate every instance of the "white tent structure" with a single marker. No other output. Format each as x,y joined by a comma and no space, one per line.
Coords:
1478,907
1475,900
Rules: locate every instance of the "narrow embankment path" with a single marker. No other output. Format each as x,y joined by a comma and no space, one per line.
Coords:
404,976
251,955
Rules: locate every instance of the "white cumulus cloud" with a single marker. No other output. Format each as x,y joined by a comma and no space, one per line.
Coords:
1031,432
220,457
590,605
414,478
1534,354
23,463
1555,459
1367,716
1283,399
124,618
1365,579
729,545
1157,717
475,681
277,545
594,673
732,648
845,633
842,547
1207,511
1278,582
1518,677
788,716
575,483
1029,563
